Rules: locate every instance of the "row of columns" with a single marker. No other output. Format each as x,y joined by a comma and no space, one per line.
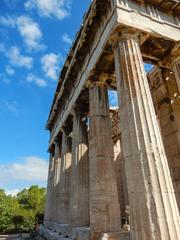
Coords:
87,192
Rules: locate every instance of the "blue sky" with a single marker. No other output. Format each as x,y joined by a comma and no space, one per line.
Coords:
35,36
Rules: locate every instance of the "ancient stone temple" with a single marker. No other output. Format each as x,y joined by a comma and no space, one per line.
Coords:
115,173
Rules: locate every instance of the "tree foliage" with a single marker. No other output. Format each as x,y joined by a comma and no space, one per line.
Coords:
19,214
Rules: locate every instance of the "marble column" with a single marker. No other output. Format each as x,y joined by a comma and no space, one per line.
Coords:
57,160
64,181
104,203
166,97
176,113
79,199
51,199
176,70
120,178
54,184
48,193
153,208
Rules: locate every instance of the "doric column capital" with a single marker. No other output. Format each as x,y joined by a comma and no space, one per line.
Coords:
125,35
78,110
66,129
58,139
129,35
100,79
99,84
92,83
51,149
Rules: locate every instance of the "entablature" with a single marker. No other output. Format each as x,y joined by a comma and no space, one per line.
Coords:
172,6
83,46
149,18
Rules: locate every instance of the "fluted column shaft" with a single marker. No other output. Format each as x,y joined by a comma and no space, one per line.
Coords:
120,178
48,193
57,159
104,203
176,69
153,208
52,192
54,184
64,182
79,199
176,111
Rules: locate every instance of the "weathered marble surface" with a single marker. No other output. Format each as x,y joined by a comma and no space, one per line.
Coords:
104,203
64,182
166,99
79,179
153,208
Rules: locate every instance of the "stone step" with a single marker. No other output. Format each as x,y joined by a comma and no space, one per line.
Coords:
10,237
22,236
123,235
80,233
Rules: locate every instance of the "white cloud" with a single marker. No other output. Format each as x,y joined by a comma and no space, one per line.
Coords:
15,58
50,8
12,193
50,65
10,71
31,78
8,21
30,31
66,39
31,169
11,106
19,60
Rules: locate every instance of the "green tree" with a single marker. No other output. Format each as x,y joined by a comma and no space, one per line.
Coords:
22,212
23,198
2,193
24,221
36,199
32,198
17,220
8,207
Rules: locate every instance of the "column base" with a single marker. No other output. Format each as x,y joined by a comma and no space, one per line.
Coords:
80,233
63,230
124,235
51,226
59,232
48,234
